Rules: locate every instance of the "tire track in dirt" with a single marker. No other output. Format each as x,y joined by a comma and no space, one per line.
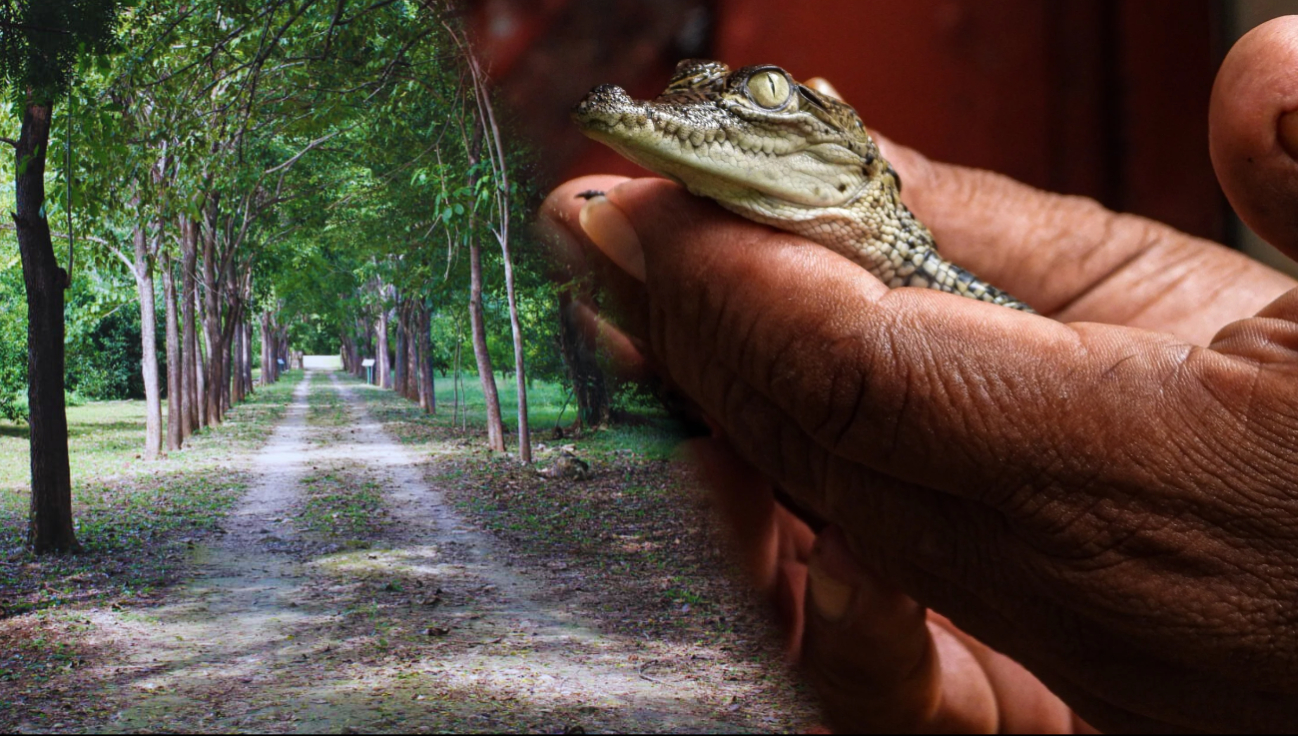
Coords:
424,629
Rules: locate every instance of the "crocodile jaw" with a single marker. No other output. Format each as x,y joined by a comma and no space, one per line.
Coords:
717,154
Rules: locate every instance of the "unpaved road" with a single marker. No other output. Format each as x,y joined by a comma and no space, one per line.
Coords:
421,629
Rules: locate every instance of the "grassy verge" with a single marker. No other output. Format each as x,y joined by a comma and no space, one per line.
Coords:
135,519
631,528
650,433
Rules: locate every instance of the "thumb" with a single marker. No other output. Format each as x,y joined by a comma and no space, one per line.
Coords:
1253,131
874,660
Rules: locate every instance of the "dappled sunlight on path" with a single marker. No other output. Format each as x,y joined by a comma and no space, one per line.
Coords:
420,629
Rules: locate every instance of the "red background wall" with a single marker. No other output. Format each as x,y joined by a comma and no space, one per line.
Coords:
1104,98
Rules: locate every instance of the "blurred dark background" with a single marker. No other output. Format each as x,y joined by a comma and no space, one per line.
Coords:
1103,98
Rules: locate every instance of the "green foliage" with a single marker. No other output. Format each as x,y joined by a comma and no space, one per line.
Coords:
41,40
339,145
104,362
13,336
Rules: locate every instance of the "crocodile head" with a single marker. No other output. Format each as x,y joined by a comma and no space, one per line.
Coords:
754,139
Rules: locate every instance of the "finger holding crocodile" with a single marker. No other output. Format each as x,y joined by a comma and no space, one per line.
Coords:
972,451
936,389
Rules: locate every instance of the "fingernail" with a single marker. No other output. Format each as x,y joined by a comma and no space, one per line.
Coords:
609,229
822,85
831,597
833,576
1287,133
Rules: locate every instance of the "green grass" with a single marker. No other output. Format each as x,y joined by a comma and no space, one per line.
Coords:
631,520
133,518
325,408
341,508
650,433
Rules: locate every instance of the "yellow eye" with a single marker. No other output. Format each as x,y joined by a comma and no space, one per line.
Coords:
770,89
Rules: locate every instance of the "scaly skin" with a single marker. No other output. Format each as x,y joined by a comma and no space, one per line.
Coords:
779,153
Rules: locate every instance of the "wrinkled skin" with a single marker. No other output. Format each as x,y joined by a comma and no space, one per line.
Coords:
1105,493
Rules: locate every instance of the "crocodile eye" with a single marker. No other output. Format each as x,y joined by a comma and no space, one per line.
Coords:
770,89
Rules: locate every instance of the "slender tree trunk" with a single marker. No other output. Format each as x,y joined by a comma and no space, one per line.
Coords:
427,386
382,369
275,351
236,365
50,519
203,360
520,371
227,374
212,324
149,340
496,154
412,351
399,368
269,368
248,387
455,375
495,427
189,334
175,391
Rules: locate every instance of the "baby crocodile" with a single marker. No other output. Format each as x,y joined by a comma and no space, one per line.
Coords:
780,153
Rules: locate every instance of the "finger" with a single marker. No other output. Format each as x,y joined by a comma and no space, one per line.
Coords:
558,224
745,501
771,544
1074,260
934,389
1111,680
625,353
581,266
1024,704
1253,131
823,86
876,664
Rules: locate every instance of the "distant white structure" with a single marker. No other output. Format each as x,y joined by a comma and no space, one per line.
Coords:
322,362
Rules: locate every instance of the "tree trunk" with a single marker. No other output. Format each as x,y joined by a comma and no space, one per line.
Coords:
227,375
495,427
487,111
588,382
412,351
212,324
236,365
50,519
382,370
427,387
348,352
400,371
248,388
149,340
175,392
520,371
189,333
202,356
269,368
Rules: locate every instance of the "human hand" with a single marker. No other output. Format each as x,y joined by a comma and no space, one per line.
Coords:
876,659
1111,504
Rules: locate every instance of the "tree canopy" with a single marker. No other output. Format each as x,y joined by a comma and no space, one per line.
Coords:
332,175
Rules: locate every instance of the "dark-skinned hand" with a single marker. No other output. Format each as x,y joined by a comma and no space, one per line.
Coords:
1105,493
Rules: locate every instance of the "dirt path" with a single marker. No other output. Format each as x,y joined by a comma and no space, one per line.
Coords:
419,628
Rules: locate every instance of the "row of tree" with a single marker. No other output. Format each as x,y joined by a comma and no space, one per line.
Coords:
277,166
